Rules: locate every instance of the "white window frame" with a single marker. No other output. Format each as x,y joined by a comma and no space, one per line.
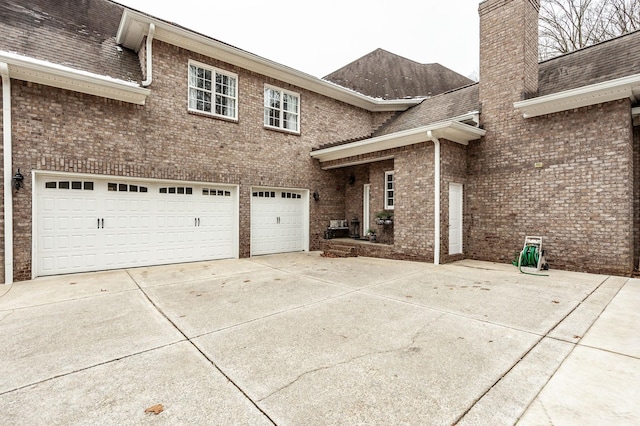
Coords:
213,92
388,190
281,112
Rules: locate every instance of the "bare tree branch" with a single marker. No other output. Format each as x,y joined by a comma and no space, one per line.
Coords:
567,25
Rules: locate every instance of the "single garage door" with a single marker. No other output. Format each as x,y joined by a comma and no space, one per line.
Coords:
86,224
279,220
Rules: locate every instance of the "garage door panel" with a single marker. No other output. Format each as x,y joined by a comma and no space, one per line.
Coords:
116,224
277,221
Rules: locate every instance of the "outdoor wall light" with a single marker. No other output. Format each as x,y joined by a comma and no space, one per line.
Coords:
352,179
17,180
316,195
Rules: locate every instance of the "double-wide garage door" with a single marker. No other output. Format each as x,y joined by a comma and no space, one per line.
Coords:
85,224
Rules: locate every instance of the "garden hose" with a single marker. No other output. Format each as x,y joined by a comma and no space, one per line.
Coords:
528,258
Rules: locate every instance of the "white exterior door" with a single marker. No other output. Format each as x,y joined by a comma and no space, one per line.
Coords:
279,220
455,218
89,224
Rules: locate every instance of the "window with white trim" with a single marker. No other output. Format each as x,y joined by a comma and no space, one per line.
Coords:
281,109
212,91
389,191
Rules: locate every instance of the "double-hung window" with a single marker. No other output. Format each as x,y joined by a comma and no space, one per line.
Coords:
212,91
281,109
389,191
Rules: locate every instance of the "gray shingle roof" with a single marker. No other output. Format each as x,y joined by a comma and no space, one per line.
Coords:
382,74
434,109
619,57
79,34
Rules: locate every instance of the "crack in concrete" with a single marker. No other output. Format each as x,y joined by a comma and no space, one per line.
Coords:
355,358
4,316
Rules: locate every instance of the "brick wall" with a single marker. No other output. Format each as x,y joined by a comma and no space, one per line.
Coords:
580,199
414,212
385,234
71,132
636,196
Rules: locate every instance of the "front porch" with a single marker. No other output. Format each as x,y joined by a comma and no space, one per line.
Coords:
349,247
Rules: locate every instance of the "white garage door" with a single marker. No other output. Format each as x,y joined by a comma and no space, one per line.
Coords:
278,221
85,224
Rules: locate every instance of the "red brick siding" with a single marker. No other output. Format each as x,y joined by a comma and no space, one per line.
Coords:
414,214
636,195
70,132
580,200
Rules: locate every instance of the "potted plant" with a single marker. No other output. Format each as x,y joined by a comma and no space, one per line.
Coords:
384,218
371,234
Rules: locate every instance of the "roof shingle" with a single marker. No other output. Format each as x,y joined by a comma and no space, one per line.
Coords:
381,74
79,34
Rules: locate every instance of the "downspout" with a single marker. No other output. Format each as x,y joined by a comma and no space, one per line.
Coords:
7,152
436,204
148,54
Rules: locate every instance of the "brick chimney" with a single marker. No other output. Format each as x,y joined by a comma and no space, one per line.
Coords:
508,53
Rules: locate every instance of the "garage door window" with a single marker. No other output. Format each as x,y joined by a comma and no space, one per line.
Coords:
176,190
290,195
123,187
65,184
216,192
265,194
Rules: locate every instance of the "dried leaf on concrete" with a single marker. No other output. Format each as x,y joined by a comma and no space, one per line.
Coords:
156,409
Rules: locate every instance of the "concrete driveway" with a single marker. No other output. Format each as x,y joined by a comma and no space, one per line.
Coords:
301,339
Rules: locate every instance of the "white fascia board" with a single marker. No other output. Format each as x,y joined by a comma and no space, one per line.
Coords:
134,26
450,130
54,75
620,88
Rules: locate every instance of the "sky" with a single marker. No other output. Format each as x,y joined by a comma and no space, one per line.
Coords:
320,37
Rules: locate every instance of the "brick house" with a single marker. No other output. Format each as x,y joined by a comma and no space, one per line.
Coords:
141,142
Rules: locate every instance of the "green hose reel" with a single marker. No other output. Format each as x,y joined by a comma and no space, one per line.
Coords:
531,256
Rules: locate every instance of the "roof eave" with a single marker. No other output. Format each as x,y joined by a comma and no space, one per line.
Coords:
49,74
451,130
134,27
593,94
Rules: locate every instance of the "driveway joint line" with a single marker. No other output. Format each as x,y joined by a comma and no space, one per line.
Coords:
457,420
610,351
75,299
89,367
197,348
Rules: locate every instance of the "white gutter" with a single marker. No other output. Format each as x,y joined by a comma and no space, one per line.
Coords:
49,74
8,173
148,52
593,94
451,130
436,204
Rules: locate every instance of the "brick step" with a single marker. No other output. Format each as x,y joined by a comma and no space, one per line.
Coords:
340,253
342,247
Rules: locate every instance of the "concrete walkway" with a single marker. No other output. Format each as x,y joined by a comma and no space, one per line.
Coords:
301,339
